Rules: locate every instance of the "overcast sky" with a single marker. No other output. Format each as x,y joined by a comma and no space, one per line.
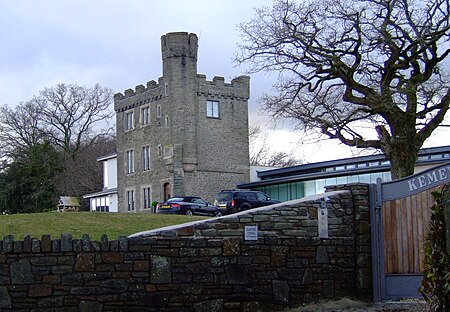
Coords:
116,43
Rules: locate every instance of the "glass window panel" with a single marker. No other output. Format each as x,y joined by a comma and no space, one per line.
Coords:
375,176
320,186
129,121
364,178
353,179
310,188
145,116
341,180
330,181
212,109
386,176
283,192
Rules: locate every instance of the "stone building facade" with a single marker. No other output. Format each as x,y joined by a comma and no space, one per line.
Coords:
182,135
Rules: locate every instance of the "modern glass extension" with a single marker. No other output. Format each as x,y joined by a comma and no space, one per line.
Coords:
310,179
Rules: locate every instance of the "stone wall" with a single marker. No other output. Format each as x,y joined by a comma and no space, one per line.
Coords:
208,265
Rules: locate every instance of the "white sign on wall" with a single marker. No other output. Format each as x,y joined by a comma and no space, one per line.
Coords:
251,232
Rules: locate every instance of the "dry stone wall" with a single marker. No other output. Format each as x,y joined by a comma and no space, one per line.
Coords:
209,265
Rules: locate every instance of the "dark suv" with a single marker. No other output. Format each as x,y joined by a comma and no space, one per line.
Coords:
231,201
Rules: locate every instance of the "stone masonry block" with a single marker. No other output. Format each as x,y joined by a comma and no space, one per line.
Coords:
66,242
8,243
112,257
40,291
21,272
281,291
322,255
209,305
5,299
85,262
279,255
160,271
231,246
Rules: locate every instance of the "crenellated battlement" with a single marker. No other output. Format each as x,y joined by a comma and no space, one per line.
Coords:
151,85
239,87
179,44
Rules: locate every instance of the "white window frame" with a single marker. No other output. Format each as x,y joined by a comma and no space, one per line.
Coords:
146,158
212,109
130,161
130,200
147,197
129,121
145,115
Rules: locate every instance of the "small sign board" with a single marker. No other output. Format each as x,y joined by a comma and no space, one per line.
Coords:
251,232
323,220
415,184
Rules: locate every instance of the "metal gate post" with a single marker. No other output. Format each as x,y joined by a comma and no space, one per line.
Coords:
376,233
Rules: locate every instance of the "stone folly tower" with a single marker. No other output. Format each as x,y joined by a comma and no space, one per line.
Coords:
182,135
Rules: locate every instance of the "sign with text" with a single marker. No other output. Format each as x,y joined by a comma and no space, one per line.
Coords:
251,232
417,183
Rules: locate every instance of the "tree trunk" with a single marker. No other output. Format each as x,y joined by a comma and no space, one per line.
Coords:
402,158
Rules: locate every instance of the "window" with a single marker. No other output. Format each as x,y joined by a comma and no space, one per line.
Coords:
212,109
130,161
145,116
129,121
166,121
166,89
146,158
261,197
159,150
130,200
147,197
250,196
158,111
168,151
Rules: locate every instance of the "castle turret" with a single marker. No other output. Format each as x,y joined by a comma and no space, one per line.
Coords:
180,135
179,48
179,56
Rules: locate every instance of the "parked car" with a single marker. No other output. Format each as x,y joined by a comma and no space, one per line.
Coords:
231,201
188,205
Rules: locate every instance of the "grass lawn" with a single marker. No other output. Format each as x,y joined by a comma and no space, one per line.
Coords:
95,224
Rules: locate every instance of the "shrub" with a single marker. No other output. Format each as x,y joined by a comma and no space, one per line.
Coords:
436,276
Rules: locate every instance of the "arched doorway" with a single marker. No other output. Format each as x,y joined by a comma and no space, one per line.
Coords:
167,189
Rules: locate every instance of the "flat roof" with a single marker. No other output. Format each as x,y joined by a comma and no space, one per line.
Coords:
101,193
318,170
106,157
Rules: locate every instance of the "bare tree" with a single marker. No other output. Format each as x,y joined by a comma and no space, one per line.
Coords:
366,72
73,116
83,174
263,155
282,159
68,116
259,149
19,129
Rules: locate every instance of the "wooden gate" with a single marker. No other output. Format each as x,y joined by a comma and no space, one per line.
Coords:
401,218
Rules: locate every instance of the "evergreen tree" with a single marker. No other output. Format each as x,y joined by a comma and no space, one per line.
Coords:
27,183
